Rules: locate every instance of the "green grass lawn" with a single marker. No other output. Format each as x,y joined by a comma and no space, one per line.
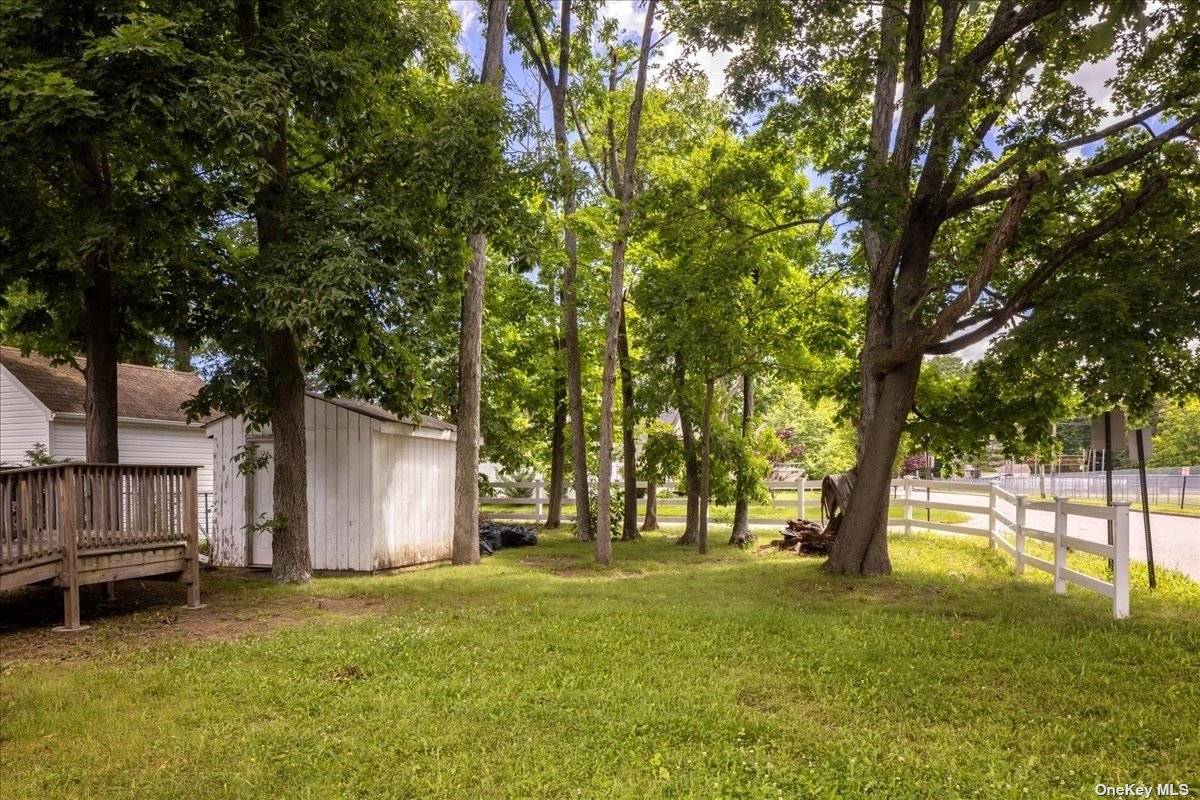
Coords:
537,675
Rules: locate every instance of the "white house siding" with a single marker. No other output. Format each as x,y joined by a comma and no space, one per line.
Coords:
414,491
23,421
141,443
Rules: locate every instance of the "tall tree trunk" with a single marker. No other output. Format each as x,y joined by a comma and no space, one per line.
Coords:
861,544
741,535
625,183
101,322
558,445
651,521
100,375
691,460
465,549
182,353
583,521
291,562
705,464
607,390
629,524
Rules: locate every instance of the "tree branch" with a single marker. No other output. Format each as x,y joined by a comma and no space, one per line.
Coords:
1022,298
540,58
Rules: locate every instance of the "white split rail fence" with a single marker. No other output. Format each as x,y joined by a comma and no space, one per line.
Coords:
539,496
1001,525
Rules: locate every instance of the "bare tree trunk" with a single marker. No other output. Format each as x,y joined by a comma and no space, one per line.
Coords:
741,535
558,445
100,375
861,544
101,323
290,562
182,347
629,529
465,548
626,185
705,464
691,460
651,522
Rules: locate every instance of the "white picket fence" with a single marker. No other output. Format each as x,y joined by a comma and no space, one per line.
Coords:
1002,524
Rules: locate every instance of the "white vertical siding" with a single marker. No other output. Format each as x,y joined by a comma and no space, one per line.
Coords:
23,421
415,496
228,534
375,500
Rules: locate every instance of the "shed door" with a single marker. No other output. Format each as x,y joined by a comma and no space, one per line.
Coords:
260,541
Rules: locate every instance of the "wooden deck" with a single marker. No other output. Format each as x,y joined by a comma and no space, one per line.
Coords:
69,525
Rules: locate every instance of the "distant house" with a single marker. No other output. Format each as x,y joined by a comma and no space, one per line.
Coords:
380,489
41,404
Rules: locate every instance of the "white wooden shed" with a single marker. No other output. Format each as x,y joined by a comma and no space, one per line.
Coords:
380,489
42,404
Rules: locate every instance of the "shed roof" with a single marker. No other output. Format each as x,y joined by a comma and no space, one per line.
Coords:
148,393
372,410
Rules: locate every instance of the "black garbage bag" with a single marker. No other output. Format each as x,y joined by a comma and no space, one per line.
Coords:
494,535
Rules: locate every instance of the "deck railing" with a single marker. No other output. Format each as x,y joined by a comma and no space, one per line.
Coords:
105,505
52,516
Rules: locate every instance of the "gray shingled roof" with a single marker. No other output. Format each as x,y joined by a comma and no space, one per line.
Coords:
142,392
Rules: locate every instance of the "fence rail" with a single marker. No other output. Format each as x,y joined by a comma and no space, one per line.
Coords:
1005,528
1006,517
539,498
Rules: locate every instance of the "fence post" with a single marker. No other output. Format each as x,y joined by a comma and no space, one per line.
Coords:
537,500
1020,534
992,516
907,505
800,498
1060,549
1121,559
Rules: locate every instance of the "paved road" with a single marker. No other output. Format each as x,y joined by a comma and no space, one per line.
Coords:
1175,540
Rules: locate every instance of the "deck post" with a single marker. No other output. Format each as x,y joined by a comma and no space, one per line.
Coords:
70,547
191,527
1060,549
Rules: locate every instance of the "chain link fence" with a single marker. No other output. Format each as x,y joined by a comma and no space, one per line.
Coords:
1167,487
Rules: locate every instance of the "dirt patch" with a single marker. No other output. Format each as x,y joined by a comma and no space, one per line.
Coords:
145,613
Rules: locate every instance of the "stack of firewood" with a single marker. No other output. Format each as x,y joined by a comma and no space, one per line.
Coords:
805,538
